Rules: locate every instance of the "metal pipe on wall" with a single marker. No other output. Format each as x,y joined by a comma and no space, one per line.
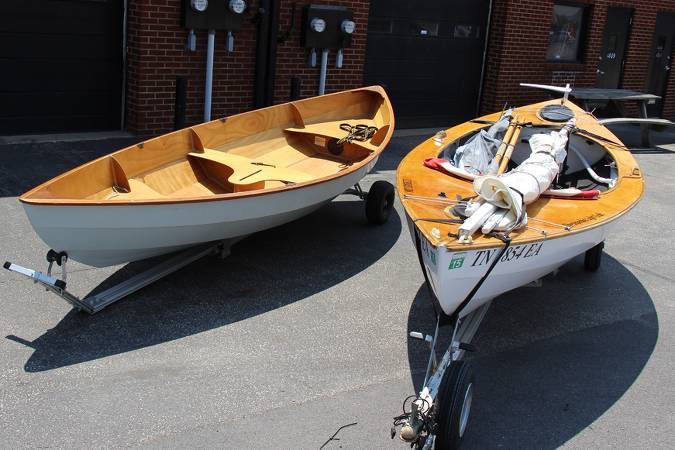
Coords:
479,98
208,89
266,52
181,102
324,69
124,64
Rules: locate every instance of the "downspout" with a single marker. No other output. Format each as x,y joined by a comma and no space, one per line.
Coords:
323,71
485,51
208,89
272,50
125,7
266,52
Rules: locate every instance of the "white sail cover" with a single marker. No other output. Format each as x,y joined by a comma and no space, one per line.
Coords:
502,199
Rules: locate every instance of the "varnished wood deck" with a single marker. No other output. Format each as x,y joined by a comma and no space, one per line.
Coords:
413,178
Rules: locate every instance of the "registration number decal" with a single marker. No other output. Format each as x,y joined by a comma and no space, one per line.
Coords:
515,253
428,250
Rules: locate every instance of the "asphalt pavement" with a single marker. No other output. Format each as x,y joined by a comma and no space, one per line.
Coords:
300,335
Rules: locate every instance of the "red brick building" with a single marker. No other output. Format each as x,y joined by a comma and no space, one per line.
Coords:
114,64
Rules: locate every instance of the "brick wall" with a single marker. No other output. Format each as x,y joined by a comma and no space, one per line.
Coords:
292,60
519,41
516,53
156,55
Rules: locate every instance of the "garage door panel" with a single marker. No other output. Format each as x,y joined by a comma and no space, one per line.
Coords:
25,25
71,47
29,75
57,123
70,12
429,56
60,58
48,104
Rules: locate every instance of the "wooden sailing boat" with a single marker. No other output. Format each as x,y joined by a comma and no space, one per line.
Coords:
599,183
493,204
219,180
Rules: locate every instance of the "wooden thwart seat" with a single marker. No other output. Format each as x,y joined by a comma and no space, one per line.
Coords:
250,171
332,130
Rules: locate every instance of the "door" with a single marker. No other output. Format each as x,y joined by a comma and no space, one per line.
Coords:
614,43
428,55
659,68
61,65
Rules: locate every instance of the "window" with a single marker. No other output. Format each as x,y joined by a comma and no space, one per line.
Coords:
424,28
567,32
466,31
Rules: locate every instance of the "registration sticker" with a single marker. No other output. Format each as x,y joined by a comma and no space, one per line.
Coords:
457,261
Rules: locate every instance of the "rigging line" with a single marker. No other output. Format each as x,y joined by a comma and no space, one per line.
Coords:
539,230
583,132
507,243
434,220
434,199
564,227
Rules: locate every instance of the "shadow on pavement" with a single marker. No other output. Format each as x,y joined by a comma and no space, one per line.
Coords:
631,136
24,166
550,360
268,270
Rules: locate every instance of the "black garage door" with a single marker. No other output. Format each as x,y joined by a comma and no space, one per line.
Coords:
60,65
428,55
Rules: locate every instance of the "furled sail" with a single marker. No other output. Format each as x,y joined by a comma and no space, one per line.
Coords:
502,199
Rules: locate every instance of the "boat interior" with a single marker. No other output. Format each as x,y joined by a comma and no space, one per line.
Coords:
268,148
574,173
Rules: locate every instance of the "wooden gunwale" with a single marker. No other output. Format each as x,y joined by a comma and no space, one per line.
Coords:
25,198
612,203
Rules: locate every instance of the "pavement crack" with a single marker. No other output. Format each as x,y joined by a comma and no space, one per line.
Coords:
647,271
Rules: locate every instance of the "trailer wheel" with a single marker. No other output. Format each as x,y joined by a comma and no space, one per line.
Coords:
379,202
593,257
455,396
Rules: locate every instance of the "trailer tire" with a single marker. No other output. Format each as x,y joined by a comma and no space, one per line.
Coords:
455,396
379,202
593,258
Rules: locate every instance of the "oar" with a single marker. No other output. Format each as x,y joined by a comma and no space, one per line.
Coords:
509,149
506,140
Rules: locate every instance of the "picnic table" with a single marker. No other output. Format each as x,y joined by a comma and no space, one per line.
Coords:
590,98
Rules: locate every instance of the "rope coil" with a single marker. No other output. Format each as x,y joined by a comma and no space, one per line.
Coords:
358,132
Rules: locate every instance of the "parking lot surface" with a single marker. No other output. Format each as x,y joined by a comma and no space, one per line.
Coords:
303,330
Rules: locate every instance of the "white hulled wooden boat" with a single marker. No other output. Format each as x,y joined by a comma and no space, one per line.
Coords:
218,180
494,204
562,223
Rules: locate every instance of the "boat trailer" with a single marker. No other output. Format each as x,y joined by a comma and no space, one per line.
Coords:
379,202
94,303
441,410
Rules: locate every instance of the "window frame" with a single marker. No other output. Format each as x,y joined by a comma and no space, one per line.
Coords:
583,31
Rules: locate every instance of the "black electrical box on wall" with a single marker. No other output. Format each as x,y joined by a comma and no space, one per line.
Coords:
334,35
220,15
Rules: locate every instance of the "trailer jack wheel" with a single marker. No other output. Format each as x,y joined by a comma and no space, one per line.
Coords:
379,202
56,257
455,396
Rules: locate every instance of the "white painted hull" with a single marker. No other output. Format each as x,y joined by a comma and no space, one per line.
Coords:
105,235
453,275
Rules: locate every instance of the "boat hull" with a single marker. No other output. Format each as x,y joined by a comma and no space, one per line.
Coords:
453,274
105,235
